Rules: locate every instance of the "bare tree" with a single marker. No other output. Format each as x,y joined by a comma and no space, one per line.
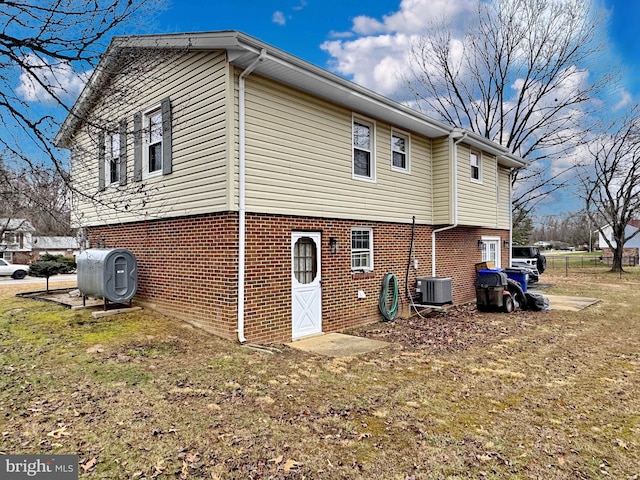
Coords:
568,228
47,50
520,76
40,196
612,184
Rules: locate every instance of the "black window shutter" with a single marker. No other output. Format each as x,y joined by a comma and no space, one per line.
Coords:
122,131
137,147
167,160
101,153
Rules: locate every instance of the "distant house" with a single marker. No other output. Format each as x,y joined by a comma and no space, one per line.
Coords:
67,246
264,197
16,239
631,252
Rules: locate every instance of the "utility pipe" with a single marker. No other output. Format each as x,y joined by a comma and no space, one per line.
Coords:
510,217
455,137
242,193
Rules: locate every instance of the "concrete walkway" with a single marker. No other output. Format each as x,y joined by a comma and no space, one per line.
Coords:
570,304
337,345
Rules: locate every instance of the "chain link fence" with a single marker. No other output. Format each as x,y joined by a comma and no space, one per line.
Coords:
567,263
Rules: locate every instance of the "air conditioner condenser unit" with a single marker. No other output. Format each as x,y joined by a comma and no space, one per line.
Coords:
434,290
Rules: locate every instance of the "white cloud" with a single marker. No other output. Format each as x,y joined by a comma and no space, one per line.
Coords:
375,52
279,18
413,16
300,6
374,62
60,79
625,101
334,34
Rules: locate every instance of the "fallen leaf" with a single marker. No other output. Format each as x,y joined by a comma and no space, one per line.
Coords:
185,471
193,457
291,464
276,460
159,469
58,433
622,444
89,464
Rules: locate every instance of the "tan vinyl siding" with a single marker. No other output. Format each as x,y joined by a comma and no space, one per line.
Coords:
504,198
299,161
477,201
442,198
197,85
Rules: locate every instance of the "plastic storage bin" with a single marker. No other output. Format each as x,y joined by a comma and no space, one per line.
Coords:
519,275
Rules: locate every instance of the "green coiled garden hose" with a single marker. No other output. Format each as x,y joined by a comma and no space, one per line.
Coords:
388,312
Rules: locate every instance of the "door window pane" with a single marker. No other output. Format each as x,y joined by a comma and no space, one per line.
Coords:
305,264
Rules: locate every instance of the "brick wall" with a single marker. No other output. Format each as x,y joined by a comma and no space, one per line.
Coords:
188,268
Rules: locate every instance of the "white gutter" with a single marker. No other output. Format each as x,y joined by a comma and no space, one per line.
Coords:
455,137
242,193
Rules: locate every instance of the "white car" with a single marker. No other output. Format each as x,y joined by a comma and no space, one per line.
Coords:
13,270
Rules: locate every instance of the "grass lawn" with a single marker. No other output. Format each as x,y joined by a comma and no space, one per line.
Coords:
531,395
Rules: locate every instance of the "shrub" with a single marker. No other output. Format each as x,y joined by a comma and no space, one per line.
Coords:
68,262
47,269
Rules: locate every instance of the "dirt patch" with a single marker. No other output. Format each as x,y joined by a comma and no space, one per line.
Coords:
68,297
458,329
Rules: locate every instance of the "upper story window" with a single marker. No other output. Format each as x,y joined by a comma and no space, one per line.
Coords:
363,150
399,152
13,239
113,158
362,249
476,166
153,142
152,152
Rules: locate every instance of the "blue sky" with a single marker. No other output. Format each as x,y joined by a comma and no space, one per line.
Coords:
305,28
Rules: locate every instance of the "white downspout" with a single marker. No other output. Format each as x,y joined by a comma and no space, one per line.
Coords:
510,217
454,194
242,193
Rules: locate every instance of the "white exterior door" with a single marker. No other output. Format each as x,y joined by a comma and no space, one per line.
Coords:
491,250
306,289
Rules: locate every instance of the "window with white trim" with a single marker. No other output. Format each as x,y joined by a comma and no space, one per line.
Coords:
399,152
112,158
363,149
112,155
153,141
476,166
362,249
